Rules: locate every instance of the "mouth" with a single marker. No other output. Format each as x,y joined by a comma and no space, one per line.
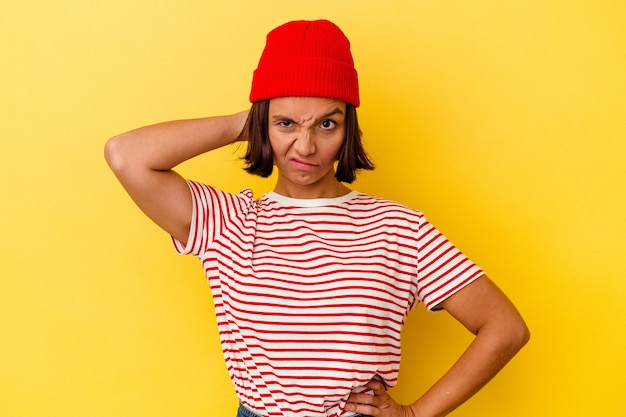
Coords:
302,164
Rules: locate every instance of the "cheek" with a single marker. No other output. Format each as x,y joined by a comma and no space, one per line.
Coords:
337,148
274,142
278,147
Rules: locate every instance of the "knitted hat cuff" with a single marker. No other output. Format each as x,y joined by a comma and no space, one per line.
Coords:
324,78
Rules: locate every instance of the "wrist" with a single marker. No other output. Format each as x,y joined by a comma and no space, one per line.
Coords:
419,410
240,124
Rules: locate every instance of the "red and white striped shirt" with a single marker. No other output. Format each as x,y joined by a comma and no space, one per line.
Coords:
311,295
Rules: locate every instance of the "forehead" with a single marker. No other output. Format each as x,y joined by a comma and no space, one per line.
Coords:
306,107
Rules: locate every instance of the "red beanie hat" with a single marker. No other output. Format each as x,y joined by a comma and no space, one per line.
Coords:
306,59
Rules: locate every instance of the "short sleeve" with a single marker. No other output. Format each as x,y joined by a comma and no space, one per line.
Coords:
212,210
442,268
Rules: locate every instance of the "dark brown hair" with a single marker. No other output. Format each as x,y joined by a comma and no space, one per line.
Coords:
259,156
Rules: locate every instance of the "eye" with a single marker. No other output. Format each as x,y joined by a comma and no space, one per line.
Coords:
284,123
327,124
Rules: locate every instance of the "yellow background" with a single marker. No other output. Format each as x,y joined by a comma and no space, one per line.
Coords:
505,122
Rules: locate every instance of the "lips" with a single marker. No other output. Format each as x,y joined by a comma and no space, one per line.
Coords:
302,164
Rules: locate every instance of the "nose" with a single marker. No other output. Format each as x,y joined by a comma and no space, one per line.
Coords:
304,143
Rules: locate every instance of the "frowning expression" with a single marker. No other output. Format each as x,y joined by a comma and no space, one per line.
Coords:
306,134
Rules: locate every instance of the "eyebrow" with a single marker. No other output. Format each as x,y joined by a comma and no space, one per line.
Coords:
336,110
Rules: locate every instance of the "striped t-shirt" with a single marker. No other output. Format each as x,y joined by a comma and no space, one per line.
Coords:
311,295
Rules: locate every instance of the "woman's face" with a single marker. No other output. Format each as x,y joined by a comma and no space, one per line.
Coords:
306,134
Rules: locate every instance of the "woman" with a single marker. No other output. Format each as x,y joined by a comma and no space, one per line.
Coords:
312,282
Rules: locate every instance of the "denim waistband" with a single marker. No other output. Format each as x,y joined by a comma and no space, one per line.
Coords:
244,411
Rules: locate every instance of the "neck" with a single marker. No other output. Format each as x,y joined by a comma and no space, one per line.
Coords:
325,189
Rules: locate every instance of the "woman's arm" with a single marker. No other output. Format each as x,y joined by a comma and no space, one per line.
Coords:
143,159
500,333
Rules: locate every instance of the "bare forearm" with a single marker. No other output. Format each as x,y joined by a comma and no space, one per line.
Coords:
163,146
143,159
484,358
500,333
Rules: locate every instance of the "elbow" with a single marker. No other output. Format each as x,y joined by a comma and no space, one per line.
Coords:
508,336
114,153
524,335
518,335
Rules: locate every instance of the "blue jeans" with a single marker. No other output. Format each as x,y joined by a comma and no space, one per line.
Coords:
244,412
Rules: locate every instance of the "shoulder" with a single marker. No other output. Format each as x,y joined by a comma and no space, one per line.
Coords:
376,204
207,194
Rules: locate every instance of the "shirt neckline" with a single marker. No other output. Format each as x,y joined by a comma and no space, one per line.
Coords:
311,202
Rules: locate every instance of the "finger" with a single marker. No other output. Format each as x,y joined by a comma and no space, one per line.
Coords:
380,379
362,398
376,386
364,409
